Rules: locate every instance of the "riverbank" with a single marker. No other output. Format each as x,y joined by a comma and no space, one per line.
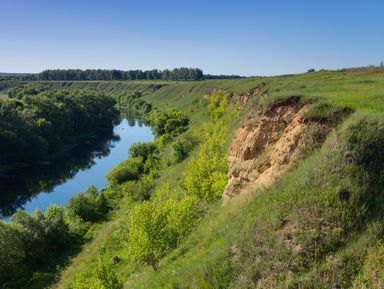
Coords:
316,222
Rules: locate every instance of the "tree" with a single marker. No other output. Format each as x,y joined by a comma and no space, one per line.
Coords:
207,173
183,146
182,73
12,254
89,205
127,170
158,227
382,64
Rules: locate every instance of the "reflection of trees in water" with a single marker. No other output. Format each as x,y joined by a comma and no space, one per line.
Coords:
22,185
134,117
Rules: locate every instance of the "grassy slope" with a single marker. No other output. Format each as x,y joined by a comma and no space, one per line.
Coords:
231,239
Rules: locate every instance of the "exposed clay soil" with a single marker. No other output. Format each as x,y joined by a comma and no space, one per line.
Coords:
269,143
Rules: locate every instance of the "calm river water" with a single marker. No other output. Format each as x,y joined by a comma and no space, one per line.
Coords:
56,183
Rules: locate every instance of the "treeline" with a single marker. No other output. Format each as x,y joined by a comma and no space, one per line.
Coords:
159,220
38,127
221,76
182,73
30,242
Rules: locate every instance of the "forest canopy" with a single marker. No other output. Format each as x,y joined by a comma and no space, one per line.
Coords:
182,73
38,127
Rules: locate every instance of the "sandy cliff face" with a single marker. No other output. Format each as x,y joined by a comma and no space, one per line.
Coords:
269,143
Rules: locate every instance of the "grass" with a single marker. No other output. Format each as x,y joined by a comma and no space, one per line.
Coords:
296,234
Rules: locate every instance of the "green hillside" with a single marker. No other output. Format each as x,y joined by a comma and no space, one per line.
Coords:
318,221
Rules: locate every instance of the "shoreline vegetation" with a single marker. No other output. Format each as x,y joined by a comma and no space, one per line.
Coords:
161,222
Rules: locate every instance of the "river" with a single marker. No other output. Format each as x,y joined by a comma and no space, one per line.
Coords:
40,186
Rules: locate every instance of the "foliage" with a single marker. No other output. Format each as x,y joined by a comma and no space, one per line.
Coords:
133,102
31,241
102,74
140,190
163,140
169,121
183,146
12,254
103,277
218,103
206,174
107,277
21,91
89,206
306,231
127,170
38,127
143,150
156,228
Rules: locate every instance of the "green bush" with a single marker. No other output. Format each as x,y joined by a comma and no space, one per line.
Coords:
169,121
89,206
158,227
57,230
140,190
218,104
107,277
183,146
12,254
128,170
206,174
149,153
103,277
143,150
163,140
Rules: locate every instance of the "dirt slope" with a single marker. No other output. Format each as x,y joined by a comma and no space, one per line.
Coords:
269,143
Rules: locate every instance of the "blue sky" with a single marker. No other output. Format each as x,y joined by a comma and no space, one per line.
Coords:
221,37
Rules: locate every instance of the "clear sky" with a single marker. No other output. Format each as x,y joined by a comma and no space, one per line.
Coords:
221,37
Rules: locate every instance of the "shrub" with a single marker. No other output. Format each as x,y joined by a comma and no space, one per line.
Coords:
89,205
183,147
164,140
12,254
128,170
31,231
158,227
140,190
103,277
170,121
57,229
207,173
149,152
107,277
218,104
143,150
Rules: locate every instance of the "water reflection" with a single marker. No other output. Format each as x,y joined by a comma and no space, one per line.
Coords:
39,185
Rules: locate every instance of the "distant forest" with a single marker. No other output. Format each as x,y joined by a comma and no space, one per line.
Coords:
103,74
183,73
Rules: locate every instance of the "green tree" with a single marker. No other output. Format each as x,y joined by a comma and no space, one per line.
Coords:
207,172
12,254
183,146
127,170
158,227
89,205
218,104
